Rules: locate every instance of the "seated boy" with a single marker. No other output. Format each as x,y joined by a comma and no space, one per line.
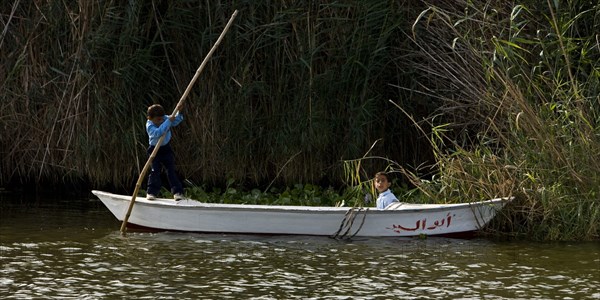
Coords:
382,185
157,124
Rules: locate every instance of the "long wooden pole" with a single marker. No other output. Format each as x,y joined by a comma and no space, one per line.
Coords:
177,108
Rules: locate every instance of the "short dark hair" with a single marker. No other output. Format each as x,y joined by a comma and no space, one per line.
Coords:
156,110
386,175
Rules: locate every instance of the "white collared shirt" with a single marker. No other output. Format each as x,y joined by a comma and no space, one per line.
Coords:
386,198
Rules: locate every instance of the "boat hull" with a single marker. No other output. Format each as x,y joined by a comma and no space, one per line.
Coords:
400,220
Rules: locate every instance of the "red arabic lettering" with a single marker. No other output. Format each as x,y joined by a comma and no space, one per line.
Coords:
422,224
399,228
436,224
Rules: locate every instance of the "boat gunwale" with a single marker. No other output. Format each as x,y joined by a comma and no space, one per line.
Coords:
408,208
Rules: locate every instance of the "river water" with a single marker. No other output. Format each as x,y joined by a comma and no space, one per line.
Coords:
73,250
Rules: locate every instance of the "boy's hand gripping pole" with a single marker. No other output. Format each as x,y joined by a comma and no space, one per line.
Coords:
177,108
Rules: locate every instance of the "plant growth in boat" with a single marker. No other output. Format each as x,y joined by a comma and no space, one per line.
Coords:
298,194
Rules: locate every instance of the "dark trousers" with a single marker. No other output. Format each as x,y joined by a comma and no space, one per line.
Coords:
164,157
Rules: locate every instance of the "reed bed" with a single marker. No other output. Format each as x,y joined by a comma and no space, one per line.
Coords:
294,88
517,91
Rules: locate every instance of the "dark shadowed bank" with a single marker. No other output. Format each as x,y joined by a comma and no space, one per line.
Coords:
488,98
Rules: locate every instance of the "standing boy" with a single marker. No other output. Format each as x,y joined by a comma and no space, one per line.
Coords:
382,184
158,123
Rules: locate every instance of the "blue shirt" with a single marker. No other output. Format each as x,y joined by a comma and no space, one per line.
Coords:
386,198
155,132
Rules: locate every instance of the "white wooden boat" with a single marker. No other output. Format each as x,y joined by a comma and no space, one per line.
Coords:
400,219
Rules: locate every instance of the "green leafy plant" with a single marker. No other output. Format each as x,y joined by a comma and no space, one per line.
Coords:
299,194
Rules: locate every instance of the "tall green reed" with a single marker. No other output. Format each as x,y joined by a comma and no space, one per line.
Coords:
517,87
295,88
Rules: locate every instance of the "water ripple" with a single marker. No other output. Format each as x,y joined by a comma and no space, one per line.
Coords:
176,266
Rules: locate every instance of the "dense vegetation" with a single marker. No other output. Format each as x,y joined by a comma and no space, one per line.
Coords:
293,89
519,113
488,98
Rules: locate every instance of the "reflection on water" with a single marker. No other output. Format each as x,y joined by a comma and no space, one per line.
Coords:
74,249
